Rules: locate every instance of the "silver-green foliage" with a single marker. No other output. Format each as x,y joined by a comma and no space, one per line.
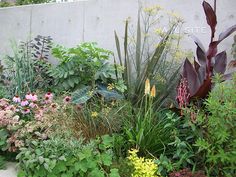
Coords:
67,158
19,70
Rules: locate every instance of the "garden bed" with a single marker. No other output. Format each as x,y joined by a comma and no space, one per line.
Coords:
138,116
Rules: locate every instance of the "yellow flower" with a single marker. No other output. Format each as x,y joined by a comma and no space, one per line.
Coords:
110,86
90,93
153,91
152,10
147,87
94,114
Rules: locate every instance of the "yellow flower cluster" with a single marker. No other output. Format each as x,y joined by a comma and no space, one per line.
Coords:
110,87
148,91
94,114
152,10
142,167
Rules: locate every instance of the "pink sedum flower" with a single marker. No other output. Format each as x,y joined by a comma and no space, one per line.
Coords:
24,103
16,99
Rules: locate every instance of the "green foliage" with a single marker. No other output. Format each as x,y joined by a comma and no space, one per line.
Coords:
142,61
141,166
147,129
59,157
5,4
26,71
26,2
81,65
82,95
179,153
19,71
3,139
98,117
217,137
2,162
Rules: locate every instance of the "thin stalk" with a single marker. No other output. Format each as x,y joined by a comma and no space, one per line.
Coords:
215,6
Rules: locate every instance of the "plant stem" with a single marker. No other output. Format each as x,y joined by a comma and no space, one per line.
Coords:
215,6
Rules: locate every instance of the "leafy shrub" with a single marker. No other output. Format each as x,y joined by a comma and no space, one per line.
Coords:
179,152
142,167
69,158
217,137
81,65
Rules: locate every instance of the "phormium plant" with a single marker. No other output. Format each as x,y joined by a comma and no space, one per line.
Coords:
208,62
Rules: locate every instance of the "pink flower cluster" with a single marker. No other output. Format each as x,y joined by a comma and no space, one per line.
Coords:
12,112
183,94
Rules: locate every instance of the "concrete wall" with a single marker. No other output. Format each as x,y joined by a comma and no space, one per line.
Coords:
96,20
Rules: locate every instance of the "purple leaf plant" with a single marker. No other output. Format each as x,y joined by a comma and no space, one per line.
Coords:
198,76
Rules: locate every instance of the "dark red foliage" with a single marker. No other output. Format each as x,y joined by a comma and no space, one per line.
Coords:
187,173
208,62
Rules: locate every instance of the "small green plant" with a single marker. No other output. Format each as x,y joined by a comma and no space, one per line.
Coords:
67,158
26,70
142,167
217,137
146,130
19,71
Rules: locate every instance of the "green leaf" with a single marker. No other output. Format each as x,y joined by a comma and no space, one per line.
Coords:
114,172
106,159
109,94
82,165
96,173
81,95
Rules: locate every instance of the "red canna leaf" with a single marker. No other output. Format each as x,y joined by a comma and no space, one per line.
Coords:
198,42
220,62
204,89
201,55
210,17
196,64
212,51
192,77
